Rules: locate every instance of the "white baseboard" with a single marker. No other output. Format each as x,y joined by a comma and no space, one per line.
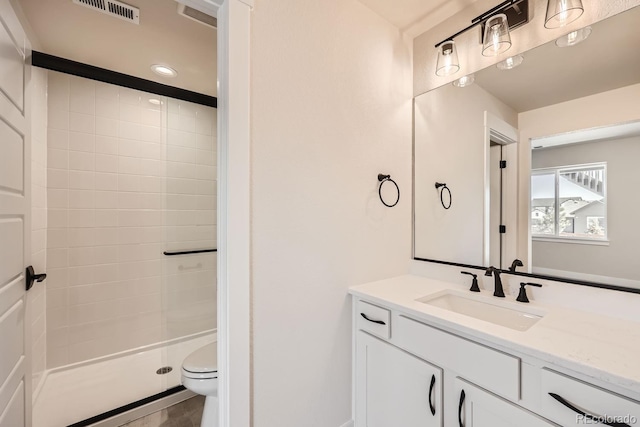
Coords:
348,424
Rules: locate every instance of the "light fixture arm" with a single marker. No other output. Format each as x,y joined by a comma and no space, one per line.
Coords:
480,19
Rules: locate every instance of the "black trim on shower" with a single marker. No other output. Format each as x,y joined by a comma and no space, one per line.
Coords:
56,63
198,251
540,276
128,407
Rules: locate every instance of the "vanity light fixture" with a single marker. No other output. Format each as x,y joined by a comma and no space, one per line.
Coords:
510,63
465,81
496,38
574,37
562,12
495,24
163,70
447,59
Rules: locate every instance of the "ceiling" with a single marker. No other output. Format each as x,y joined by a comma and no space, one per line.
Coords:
607,60
407,14
81,34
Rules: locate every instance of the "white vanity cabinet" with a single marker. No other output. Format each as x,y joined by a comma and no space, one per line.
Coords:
408,372
395,388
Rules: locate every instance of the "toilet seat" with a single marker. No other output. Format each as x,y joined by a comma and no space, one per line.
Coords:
202,363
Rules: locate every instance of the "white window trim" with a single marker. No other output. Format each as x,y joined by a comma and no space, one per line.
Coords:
556,237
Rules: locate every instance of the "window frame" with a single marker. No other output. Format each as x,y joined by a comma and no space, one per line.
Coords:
556,237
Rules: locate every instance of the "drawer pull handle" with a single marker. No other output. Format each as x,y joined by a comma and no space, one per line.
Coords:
379,322
460,405
431,405
601,420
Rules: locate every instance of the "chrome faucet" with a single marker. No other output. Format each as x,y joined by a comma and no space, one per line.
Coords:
498,291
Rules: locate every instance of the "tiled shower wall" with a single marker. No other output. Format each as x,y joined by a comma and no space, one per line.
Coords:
130,175
36,298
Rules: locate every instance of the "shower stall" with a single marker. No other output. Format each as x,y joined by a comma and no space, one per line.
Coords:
124,204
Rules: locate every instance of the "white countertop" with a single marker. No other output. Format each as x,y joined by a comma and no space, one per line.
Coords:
600,347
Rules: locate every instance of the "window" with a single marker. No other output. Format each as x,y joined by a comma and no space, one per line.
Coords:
569,202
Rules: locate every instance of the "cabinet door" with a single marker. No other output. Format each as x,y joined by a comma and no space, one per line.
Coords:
476,407
394,388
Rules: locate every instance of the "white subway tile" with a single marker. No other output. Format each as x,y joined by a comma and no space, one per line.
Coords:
130,96
57,198
81,199
128,235
208,173
81,257
57,138
173,106
146,101
57,178
204,125
129,218
81,180
81,218
57,159
82,122
205,142
79,141
128,165
81,237
150,201
151,117
106,218
187,109
180,170
129,200
150,218
57,318
150,184
106,145
82,275
106,200
207,158
106,272
106,254
181,139
57,238
79,160
57,118
106,163
127,130
106,127
107,108
151,234
107,236
107,91
106,181
130,113
129,148
151,151
151,134
128,183
151,167
57,217
57,258
82,96
180,154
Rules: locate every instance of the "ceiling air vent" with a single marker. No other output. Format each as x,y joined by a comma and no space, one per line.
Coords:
113,8
196,15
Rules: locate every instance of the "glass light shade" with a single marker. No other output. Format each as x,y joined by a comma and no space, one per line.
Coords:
562,12
465,81
574,37
447,59
510,63
496,38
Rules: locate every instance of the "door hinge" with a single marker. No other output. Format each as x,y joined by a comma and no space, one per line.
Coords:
503,229
503,164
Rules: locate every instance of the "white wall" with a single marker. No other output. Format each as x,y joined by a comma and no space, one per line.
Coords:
127,180
330,109
603,109
450,148
618,258
37,295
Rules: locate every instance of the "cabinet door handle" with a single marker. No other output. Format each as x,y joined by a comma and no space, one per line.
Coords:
460,406
601,420
379,322
431,405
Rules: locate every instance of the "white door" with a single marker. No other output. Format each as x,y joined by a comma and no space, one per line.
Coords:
394,388
14,223
476,407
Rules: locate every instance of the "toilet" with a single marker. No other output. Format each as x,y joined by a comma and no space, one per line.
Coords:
200,375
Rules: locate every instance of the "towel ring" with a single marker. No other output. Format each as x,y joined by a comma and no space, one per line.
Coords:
387,178
443,187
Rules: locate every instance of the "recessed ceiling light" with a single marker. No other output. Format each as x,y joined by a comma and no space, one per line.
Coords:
155,101
465,81
510,63
574,37
163,70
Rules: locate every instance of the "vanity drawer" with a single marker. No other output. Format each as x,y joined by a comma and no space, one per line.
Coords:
373,319
488,368
583,397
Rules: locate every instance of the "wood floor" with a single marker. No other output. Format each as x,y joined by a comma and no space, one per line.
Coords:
184,414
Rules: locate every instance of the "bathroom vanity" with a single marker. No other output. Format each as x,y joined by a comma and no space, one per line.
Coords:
430,353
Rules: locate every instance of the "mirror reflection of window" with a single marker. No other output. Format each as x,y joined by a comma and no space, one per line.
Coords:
569,202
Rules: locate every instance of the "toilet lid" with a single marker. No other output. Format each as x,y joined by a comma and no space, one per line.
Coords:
202,360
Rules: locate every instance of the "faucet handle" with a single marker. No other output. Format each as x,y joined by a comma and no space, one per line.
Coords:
474,283
516,263
522,296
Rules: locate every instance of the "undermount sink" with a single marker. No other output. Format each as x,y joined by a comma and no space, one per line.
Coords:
480,307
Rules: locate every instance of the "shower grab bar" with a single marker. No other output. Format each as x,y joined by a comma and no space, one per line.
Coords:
198,251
